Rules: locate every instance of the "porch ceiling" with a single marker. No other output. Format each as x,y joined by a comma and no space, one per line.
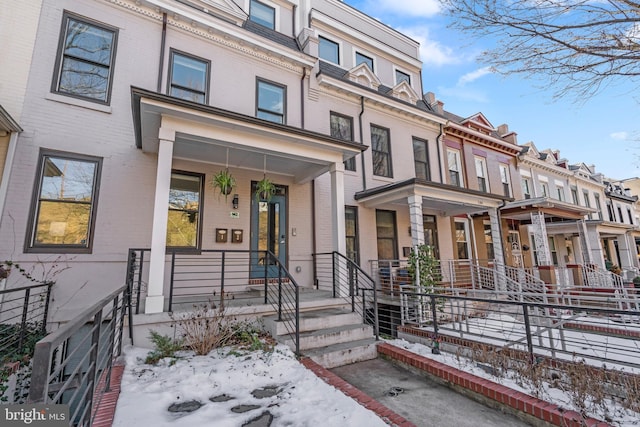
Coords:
521,209
7,123
447,200
206,134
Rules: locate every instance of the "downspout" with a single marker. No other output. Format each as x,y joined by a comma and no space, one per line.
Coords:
304,74
314,241
163,41
438,142
364,178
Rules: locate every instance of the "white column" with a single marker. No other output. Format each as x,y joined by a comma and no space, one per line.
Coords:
496,237
627,252
415,219
337,190
539,228
155,298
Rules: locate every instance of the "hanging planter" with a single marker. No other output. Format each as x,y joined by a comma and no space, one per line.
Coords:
265,189
224,182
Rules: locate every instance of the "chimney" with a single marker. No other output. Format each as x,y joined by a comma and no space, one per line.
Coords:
503,131
430,99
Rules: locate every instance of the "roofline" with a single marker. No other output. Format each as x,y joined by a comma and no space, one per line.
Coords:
8,122
138,93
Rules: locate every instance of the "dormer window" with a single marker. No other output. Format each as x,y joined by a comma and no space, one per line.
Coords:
364,59
402,77
329,50
262,14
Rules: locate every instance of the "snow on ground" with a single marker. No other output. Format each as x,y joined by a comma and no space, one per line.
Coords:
620,417
304,399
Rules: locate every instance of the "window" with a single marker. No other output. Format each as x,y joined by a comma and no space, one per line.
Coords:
574,196
620,217
386,234
271,103
526,188
596,196
329,50
402,77
612,216
481,173
587,203
462,238
430,226
630,216
455,167
544,187
189,77
421,159
364,59
381,151
560,192
504,177
64,209
86,54
351,233
488,239
552,250
342,128
262,14
183,224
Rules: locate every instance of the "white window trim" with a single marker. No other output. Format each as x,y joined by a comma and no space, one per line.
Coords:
275,6
458,164
467,235
402,70
373,58
485,171
331,38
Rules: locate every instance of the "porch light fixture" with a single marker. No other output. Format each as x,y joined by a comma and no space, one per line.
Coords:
234,201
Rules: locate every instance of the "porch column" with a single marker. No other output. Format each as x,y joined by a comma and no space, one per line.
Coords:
155,298
337,189
498,254
627,252
595,247
539,228
415,219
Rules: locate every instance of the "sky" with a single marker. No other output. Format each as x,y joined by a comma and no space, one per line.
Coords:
600,130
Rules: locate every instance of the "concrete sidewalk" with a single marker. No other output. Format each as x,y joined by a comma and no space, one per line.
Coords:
421,400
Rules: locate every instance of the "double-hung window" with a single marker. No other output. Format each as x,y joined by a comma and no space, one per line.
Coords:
329,50
544,187
421,159
402,77
64,208
262,14
86,55
183,223
455,167
587,201
506,182
342,128
364,59
526,188
381,151
560,192
574,196
387,237
481,173
189,77
271,102
596,196
351,233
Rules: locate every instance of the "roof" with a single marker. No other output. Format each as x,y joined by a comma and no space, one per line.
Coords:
272,35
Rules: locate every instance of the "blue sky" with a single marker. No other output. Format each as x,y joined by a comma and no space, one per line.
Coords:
600,130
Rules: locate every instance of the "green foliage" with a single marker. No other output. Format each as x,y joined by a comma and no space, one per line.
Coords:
165,346
224,182
249,336
424,268
636,282
265,189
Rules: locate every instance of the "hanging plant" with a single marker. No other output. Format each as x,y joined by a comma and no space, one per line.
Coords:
224,182
265,189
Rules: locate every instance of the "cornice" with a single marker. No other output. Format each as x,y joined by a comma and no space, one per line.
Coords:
480,138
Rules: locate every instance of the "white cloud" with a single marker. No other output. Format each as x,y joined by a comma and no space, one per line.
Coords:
432,52
415,8
473,76
620,136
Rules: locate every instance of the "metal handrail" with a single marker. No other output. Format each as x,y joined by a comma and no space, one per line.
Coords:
69,365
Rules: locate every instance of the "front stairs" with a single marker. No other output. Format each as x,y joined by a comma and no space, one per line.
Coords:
331,337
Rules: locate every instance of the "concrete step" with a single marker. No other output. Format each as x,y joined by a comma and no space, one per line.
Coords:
344,353
314,320
330,336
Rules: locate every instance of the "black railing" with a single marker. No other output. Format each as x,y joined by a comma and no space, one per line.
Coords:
222,279
73,364
23,320
346,280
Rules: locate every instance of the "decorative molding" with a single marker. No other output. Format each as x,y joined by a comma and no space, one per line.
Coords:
404,92
363,75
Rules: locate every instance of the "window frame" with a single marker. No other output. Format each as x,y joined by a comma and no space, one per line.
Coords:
402,73
331,43
488,239
544,187
560,192
266,6
505,179
393,239
349,165
355,61
458,163
467,238
387,155
355,237
284,99
201,189
57,74
34,211
526,187
596,198
424,164
207,77
484,184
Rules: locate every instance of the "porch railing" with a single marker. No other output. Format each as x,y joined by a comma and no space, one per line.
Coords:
346,280
72,365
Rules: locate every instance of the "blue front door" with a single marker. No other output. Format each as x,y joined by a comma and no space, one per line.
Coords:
268,233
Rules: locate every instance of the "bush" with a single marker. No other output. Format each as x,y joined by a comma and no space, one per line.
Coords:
205,328
165,346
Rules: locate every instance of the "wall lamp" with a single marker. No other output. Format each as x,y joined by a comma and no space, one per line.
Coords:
234,201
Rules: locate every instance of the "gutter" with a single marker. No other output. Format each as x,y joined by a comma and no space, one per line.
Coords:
364,178
163,41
